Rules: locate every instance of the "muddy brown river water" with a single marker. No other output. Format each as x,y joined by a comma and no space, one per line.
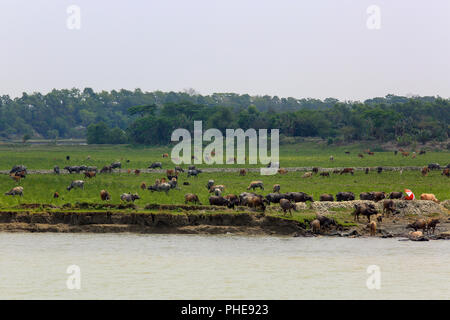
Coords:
133,266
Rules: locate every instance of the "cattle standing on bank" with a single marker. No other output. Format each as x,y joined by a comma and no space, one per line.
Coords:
429,196
365,210
287,205
256,184
104,195
326,197
190,197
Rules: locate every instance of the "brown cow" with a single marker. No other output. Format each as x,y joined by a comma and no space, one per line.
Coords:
389,206
360,155
90,174
287,205
446,172
14,177
282,171
104,195
315,226
56,195
425,171
429,196
256,184
143,186
165,155
373,228
276,188
190,197
418,224
137,172
371,153
242,172
326,197
405,154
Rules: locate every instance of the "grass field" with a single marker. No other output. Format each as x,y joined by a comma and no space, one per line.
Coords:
300,155
40,188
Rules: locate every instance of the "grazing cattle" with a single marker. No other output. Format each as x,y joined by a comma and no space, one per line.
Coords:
276,188
418,224
106,169
234,200
186,183
331,158
315,170
256,184
221,187
315,226
143,186
243,197
326,197
345,196
16,191
160,187
287,205
347,152
395,152
116,165
67,158
431,224
128,197
366,171
373,228
137,172
209,184
276,197
129,171
360,155
89,174
179,169
378,196
389,207
379,169
396,195
165,155
170,172
429,196
20,168
425,171
347,170
55,195
155,165
307,175
104,195
194,172
405,154
71,169
422,152
325,222
299,197
446,172
256,202
370,153
56,170
325,174
336,171
366,196
282,171
365,210
15,178
434,166
242,172
190,197
76,184
220,201
413,155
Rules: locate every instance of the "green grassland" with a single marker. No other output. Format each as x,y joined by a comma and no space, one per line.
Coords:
306,154
39,188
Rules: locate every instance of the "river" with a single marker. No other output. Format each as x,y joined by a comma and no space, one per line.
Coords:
133,266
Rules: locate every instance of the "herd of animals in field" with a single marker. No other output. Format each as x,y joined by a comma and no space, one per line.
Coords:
287,201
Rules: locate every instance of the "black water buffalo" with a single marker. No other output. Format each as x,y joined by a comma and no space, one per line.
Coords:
345,196
299,197
155,165
18,169
276,197
194,172
396,195
434,166
366,196
364,209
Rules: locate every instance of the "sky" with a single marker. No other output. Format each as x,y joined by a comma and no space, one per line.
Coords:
305,49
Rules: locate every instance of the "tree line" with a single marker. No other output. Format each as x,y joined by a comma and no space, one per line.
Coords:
150,117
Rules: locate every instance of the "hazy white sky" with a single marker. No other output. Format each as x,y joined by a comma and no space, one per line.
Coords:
315,48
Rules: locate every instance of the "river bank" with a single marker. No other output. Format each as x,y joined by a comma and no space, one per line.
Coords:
198,221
